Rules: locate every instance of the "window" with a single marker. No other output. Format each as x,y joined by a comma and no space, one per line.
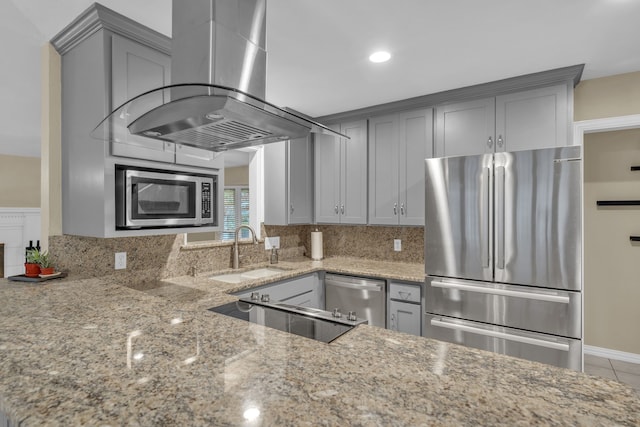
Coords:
236,212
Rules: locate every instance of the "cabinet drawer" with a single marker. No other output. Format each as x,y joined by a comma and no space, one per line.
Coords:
404,292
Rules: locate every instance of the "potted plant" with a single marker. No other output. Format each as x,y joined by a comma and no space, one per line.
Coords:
45,264
32,264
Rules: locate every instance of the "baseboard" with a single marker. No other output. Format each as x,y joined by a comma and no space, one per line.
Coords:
612,354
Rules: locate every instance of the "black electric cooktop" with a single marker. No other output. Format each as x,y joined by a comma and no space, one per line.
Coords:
311,323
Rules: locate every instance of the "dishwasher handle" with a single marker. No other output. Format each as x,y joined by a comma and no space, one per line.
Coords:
360,285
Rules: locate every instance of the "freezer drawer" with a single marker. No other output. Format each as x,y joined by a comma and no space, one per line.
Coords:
549,349
535,309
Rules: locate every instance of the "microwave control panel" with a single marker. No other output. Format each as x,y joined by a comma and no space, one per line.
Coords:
206,200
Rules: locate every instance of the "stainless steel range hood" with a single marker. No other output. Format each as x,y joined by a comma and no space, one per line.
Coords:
218,76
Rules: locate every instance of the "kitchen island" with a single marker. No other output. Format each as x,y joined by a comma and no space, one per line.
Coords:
110,351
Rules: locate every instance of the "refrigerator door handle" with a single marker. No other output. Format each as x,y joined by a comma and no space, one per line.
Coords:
501,335
500,188
486,222
502,292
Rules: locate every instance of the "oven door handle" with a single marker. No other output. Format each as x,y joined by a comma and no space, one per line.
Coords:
500,335
361,287
502,292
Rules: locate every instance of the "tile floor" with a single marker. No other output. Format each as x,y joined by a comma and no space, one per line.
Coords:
624,372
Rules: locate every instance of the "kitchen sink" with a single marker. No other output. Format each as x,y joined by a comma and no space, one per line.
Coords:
257,273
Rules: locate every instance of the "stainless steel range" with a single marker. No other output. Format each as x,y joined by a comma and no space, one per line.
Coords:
308,322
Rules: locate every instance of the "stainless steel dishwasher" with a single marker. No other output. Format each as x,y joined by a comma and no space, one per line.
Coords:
366,297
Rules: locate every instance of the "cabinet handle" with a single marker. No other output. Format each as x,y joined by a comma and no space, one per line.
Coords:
395,209
393,322
342,209
490,142
500,141
336,209
401,208
291,208
402,295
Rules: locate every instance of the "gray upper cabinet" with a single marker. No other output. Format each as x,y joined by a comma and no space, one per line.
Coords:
532,119
341,175
398,145
536,118
288,182
106,60
465,128
136,69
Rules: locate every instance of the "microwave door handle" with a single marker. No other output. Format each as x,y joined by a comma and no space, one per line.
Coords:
500,335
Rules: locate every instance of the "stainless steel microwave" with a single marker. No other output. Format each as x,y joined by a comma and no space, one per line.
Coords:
152,198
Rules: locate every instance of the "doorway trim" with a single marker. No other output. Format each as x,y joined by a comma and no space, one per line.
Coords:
605,124
581,128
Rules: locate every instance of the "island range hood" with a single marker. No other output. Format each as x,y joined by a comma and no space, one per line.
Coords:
218,81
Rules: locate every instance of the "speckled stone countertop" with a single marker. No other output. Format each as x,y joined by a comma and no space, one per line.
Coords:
109,352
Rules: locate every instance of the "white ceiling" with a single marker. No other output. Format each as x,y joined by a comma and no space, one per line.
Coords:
318,49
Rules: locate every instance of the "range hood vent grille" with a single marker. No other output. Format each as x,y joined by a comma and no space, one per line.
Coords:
219,133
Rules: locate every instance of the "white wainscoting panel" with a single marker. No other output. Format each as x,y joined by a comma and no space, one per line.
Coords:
17,227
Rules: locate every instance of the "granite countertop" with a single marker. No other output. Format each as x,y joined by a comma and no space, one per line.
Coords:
96,351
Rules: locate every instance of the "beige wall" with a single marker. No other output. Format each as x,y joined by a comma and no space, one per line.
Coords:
611,291
50,148
612,96
236,176
19,182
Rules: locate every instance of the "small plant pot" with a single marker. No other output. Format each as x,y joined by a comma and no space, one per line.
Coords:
47,270
31,270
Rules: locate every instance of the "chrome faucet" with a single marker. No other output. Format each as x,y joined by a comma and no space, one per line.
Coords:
236,256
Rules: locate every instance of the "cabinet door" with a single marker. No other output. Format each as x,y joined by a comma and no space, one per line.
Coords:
135,70
465,128
192,156
415,131
383,170
353,186
532,119
275,183
327,178
300,164
404,317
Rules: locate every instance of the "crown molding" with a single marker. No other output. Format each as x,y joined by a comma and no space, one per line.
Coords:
566,75
98,17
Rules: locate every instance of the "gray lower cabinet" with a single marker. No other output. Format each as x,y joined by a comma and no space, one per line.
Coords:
4,420
530,119
341,175
288,182
306,291
398,145
404,312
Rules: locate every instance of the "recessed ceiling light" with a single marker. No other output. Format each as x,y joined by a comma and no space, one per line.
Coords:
380,56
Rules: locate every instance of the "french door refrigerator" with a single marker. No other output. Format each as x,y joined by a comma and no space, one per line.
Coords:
503,257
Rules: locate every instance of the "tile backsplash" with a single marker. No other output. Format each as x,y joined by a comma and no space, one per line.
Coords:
153,257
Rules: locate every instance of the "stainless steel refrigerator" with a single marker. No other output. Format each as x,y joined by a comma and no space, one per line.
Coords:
503,257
